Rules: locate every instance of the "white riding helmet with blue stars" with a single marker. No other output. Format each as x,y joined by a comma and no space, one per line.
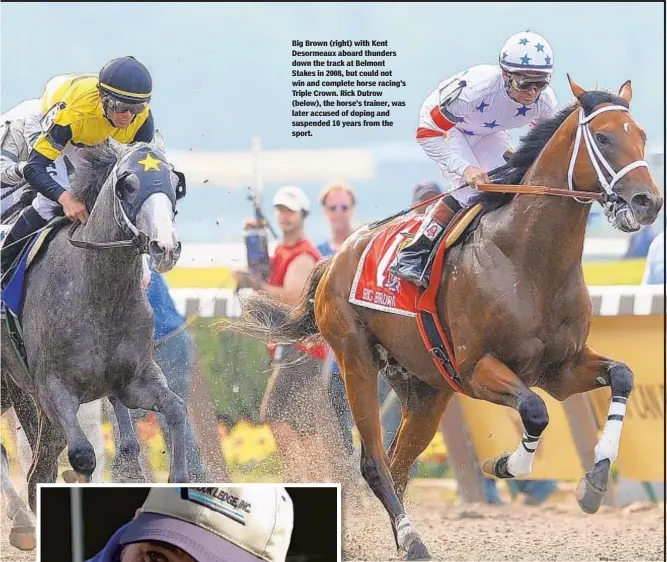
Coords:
527,51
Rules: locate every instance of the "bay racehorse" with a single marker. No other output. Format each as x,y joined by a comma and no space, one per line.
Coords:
511,299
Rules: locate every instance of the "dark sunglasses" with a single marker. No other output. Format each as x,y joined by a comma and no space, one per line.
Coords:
121,107
333,208
525,84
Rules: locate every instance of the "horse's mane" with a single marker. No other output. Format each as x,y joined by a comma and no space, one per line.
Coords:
94,166
532,144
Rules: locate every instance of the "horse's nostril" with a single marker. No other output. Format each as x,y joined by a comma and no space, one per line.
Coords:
155,248
642,201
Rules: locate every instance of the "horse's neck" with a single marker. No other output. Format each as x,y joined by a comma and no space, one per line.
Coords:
119,268
549,230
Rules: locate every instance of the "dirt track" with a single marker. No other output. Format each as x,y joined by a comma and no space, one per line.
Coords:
517,532
556,531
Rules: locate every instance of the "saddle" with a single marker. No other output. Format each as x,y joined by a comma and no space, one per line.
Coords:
13,293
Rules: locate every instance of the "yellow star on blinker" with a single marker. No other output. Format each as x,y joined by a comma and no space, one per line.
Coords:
150,163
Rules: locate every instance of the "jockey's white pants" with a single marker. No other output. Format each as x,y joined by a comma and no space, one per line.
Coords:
484,152
31,112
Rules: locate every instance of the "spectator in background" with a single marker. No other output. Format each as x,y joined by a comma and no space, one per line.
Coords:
338,201
654,271
293,405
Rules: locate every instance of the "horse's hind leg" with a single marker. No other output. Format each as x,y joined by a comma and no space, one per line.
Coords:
22,534
150,391
493,381
423,406
125,465
596,371
351,345
61,407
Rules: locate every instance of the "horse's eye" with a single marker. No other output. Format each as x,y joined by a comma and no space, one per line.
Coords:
601,138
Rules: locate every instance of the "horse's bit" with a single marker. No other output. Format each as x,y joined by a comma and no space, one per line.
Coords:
595,155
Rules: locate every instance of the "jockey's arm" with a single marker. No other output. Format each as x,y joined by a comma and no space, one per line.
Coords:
46,149
438,137
295,280
12,153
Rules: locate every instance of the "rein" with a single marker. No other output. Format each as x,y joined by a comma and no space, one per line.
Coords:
606,197
138,239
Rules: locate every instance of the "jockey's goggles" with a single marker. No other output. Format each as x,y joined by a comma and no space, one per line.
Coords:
118,106
525,83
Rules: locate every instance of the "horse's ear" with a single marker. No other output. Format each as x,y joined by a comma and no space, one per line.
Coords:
577,90
626,91
158,141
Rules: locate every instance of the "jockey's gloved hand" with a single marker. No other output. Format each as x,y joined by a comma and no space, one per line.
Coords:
474,175
74,209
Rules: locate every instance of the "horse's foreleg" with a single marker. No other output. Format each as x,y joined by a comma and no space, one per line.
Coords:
44,468
595,371
150,391
422,409
62,408
494,382
125,465
22,534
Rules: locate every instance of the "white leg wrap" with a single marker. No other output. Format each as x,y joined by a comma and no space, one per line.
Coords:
520,462
607,447
404,528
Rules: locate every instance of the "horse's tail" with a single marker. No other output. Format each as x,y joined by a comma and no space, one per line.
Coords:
268,319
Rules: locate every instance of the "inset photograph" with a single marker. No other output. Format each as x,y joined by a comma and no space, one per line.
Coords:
175,523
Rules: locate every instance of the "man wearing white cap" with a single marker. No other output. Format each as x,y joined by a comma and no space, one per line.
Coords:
224,524
293,405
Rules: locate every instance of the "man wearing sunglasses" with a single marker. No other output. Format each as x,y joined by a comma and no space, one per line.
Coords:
463,126
75,111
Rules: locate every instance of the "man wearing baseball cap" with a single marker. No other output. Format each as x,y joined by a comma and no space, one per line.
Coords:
206,524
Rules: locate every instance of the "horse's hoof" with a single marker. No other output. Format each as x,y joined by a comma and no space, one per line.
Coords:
70,476
22,535
497,467
592,488
23,538
416,551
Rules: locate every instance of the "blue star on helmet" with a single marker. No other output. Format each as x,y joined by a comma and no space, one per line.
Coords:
522,110
539,47
525,59
482,106
466,132
547,59
491,124
523,41
505,55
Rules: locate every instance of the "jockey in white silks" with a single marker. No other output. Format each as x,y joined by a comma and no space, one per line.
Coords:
18,133
463,126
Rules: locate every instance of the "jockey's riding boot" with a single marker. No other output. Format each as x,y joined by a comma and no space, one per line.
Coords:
412,261
27,223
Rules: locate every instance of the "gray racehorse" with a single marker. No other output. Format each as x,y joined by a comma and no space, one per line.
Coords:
87,324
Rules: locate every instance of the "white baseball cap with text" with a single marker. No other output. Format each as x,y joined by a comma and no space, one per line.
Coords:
223,524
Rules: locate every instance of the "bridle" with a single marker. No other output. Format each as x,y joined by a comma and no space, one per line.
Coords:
137,239
597,159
